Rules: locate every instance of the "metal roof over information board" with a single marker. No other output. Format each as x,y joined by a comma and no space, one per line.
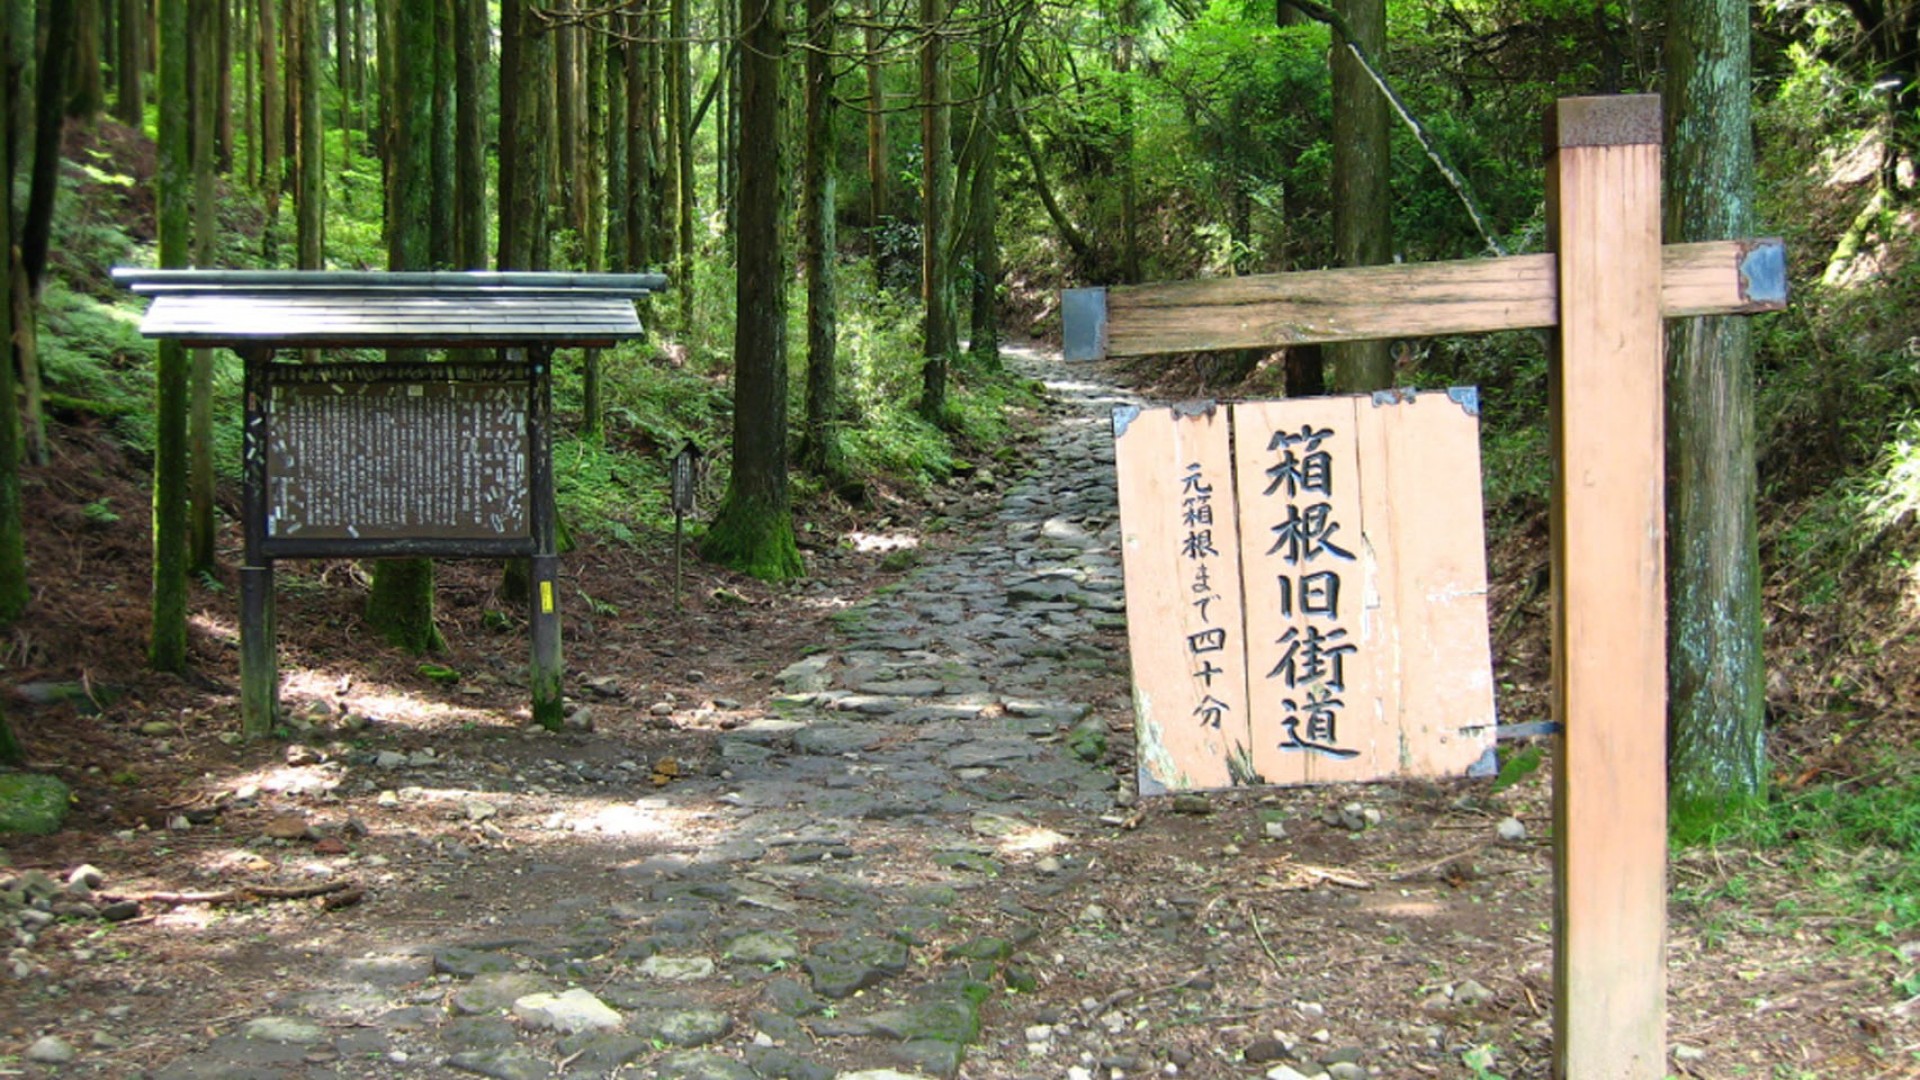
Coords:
368,309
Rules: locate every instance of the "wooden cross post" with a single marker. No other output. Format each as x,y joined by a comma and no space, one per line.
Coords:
1607,289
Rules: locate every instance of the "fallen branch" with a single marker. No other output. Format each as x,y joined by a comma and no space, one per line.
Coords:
351,894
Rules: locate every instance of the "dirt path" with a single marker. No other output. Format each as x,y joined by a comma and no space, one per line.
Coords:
897,836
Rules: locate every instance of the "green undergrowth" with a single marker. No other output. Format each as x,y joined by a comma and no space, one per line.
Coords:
1854,845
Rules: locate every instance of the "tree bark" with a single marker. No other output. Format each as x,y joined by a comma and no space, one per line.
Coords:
130,92
525,142
642,110
936,198
753,529
442,167
615,148
1716,672
680,92
820,444
985,309
86,94
1129,179
272,135
223,87
1362,181
167,636
879,174
400,606
202,20
310,192
470,134
593,179
14,592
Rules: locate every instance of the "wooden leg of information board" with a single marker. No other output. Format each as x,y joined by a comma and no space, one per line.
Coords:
544,615
259,667
1609,623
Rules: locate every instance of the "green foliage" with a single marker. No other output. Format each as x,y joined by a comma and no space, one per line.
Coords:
1857,842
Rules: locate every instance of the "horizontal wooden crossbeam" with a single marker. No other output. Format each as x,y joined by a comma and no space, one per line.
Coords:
1415,300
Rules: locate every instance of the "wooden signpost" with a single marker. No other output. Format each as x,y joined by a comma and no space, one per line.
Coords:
1607,288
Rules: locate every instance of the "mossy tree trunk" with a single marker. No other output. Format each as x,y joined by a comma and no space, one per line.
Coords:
470,134
1716,672
753,529
1362,181
167,640
14,592
400,608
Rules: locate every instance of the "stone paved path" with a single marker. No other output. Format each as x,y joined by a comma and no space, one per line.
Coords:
844,890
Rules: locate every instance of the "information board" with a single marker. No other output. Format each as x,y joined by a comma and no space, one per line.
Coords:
387,459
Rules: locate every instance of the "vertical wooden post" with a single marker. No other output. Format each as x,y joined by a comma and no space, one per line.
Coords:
544,676
1609,625
259,667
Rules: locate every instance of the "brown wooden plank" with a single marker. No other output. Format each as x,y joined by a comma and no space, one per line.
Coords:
1422,300
1609,645
1184,619
1394,595
1421,504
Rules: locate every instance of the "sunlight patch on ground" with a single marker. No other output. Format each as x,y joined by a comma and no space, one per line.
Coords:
868,542
221,630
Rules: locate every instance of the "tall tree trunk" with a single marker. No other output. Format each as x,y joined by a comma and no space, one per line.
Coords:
272,135
223,87
525,68
1362,191
247,34
202,20
167,636
936,200
879,173
343,78
470,134
566,82
1129,179
36,231
593,180
615,146
14,592
86,94
310,193
984,195
1716,672
680,91
753,529
642,109
400,607
130,101
819,446
441,230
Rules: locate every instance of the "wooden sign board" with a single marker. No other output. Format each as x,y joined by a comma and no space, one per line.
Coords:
1306,590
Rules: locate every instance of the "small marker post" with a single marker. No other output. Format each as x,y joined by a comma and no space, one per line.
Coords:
686,466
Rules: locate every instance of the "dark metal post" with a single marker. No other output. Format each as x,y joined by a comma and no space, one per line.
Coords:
259,668
544,614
